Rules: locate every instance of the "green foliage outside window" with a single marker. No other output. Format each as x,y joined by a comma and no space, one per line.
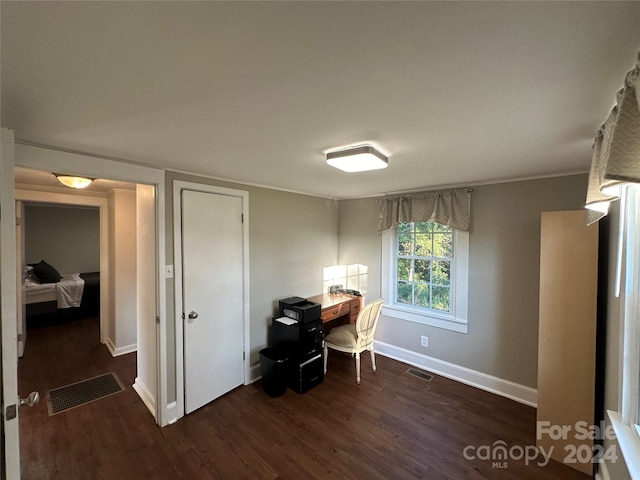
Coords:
423,260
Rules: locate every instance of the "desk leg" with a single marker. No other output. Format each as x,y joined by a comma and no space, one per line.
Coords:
325,354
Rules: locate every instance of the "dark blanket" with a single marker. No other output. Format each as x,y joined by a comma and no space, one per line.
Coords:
89,305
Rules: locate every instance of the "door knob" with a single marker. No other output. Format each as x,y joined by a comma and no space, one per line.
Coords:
11,411
31,400
193,315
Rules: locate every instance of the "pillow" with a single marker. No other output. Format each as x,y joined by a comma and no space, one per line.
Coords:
29,276
45,273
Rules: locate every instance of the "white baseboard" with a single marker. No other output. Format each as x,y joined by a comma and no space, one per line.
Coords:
256,373
489,383
145,395
110,346
117,351
172,413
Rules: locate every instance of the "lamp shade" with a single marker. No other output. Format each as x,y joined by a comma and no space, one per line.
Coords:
74,182
357,159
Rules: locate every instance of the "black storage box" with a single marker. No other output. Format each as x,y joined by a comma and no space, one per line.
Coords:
299,309
307,374
301,341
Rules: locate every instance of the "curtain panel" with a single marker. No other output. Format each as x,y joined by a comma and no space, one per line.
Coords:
616,149
447,207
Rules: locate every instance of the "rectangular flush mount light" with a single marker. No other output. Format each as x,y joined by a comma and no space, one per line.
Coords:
357,159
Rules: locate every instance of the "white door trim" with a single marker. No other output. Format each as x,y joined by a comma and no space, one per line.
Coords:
178,186
41,158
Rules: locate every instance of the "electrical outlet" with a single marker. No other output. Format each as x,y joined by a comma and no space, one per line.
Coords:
424,341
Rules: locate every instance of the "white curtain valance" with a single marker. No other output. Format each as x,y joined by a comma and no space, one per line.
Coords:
447,207
616,149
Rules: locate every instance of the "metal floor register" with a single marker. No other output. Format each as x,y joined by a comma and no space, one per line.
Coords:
70,396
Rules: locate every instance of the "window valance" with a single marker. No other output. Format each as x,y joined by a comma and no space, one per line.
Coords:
447,207
616,149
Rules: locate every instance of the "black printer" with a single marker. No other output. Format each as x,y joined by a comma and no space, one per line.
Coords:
299,309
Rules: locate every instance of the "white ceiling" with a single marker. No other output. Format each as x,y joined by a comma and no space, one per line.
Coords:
455,92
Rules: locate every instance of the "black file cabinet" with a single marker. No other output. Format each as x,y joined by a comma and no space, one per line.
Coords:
307,374
303,343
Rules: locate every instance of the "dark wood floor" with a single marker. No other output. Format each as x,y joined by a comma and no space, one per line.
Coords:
392,426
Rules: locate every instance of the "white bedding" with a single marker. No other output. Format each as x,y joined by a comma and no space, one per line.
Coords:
67,292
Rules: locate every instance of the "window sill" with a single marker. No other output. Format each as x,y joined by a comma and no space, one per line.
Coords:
629,442
446,322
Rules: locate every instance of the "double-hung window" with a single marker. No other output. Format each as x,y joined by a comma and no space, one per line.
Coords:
425,274
423,266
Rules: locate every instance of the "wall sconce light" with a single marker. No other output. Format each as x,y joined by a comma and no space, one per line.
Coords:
357,159
73,182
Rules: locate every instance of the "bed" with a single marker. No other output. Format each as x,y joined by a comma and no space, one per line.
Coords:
75,293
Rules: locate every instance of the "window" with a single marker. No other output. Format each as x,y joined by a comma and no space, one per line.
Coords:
425,274
626,422
424,256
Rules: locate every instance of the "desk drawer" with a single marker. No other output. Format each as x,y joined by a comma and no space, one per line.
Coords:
335,311
355,306
355,310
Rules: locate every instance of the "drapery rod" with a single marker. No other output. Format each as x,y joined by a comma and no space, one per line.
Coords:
469,190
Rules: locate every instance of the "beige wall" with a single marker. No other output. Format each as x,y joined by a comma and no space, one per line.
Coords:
146,382
122,330
504,244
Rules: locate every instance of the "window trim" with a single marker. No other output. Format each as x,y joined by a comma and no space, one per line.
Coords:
455,321
630,220
626,422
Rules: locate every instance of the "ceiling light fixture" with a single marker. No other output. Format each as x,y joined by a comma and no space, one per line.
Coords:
73,182
357,159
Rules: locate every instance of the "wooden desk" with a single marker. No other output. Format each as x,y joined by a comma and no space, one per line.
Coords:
337,309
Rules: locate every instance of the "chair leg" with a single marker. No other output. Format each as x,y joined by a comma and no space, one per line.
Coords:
358,368
326,357
373,360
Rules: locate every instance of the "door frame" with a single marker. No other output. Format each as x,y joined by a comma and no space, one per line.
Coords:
41,158
57,198
178,187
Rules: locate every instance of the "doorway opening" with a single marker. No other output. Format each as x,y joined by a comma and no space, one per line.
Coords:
58,252
114,337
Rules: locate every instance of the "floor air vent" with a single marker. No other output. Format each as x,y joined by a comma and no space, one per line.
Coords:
420,374
70,396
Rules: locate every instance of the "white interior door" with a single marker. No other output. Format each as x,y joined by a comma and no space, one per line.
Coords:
212,271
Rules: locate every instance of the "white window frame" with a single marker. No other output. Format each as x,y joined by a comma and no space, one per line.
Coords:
626,422
456,320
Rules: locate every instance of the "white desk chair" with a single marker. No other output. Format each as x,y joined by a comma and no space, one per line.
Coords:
355,339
